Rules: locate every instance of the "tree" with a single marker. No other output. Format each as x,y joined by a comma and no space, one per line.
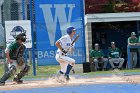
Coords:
95,6
128,6
111,6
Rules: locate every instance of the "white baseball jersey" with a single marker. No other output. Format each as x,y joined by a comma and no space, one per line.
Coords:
65,42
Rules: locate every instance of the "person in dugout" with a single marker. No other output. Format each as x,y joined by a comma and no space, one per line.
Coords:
115,57
98,56
133,41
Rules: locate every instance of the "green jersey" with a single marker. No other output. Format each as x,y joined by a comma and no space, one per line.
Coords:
133,40
114,53
96,53
13,49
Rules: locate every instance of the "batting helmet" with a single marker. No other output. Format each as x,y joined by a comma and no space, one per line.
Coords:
21,36
70,29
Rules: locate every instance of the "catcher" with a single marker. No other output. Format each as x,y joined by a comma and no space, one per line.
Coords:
14,58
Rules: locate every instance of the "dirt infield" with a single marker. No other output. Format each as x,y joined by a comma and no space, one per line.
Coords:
52,82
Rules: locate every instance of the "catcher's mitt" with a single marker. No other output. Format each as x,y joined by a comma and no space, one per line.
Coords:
20,61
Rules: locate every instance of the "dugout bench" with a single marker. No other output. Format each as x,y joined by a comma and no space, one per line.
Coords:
90,66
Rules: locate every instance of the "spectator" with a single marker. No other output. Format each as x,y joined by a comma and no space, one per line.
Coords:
133,40
98,56
114,56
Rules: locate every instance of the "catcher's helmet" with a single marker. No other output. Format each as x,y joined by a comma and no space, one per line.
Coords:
21,36
70,29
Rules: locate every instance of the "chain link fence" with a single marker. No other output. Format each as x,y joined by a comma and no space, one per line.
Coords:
9,10
12,10
23,10
20,10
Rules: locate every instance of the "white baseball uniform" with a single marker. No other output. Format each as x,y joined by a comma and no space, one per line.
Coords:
64,60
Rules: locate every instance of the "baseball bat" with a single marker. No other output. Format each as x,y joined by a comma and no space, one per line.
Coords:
73,41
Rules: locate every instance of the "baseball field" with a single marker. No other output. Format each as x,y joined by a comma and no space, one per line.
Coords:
112,81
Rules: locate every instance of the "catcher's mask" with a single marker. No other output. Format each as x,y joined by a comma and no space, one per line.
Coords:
21,36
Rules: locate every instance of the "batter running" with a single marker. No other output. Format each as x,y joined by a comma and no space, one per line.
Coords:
64,46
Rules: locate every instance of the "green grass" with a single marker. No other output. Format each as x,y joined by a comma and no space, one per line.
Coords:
48,71
41,71
1,69
111,72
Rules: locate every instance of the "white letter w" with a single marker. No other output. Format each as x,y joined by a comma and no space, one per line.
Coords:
52,20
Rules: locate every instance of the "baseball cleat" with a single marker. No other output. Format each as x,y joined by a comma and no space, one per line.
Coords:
60,77
59,73
18,81
2,83
73,71
67,77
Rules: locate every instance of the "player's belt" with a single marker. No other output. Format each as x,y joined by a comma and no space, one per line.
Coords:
60,53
